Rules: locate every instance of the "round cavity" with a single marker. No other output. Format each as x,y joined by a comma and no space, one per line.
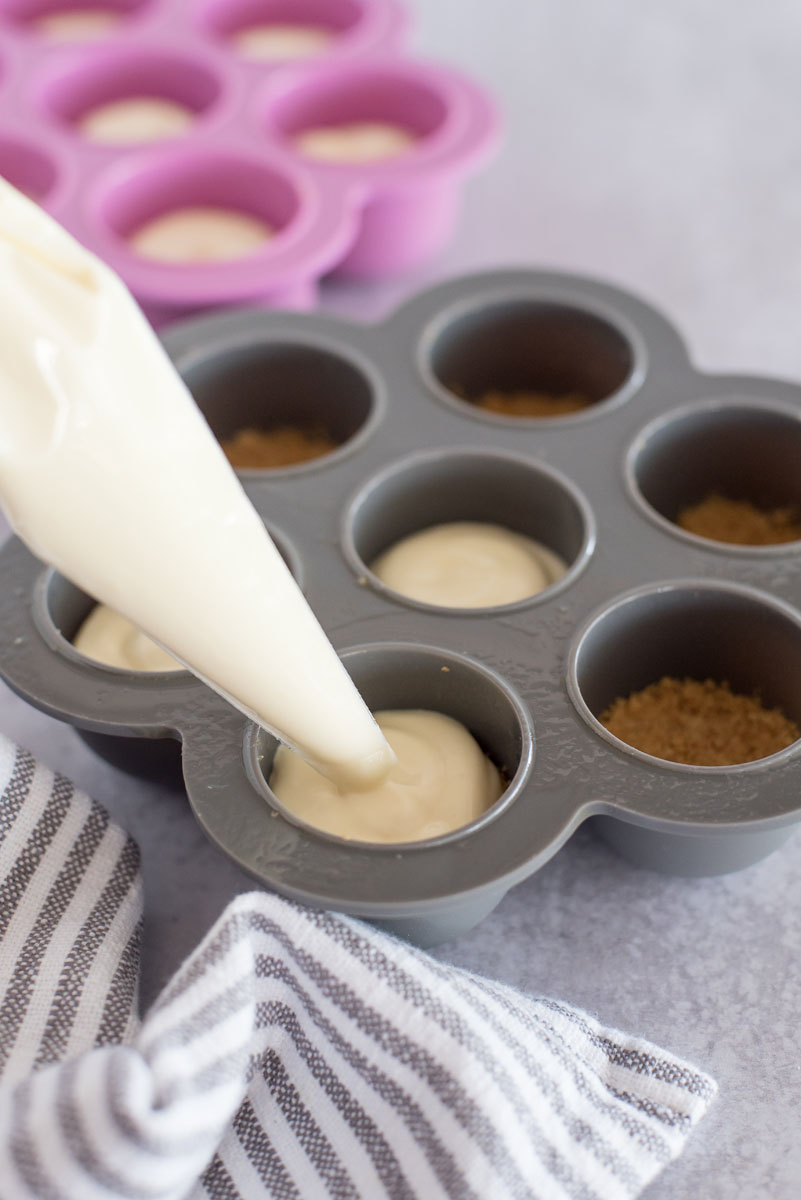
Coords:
411,676
277,30
525,358
27,168
131,96
71,20
694,630
357,114
198,207
690,465
299,396
439,487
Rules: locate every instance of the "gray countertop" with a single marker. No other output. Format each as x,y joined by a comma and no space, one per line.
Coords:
657,147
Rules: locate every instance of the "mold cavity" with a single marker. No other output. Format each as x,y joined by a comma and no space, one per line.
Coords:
362,114
521,358
274,404
26,168
71,20
723,471
393,677
199,208
433,490
281,30
125,97
734,645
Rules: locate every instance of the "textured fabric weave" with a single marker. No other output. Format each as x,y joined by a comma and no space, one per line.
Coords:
295,1055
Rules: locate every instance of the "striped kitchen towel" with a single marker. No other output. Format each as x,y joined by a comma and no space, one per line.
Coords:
295,1055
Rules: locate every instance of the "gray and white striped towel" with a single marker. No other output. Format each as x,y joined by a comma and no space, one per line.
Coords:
295,1055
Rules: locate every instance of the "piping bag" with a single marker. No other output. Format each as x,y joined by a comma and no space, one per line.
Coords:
109,473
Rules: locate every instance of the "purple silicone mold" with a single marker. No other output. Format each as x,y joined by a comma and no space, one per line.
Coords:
239,149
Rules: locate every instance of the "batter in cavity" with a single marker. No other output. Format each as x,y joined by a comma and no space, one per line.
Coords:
361,141
201,234
108,637
77,24
135,119
281,42
468,564
441,781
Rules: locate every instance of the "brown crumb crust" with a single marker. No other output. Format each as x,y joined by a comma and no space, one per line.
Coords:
531,403
740,522
259,449
702,723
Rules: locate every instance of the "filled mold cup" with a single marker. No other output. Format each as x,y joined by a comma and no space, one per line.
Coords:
393,677
27,168
726,473
692,676
61,611
197,209
278,405
74,624
466,531
529,358
121,96
71,20
356,115
276,31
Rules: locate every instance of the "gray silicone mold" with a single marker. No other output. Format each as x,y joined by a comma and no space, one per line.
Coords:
600,486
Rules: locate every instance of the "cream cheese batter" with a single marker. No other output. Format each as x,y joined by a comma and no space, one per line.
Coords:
106,636
442,781
281,42
200,234
135,119
77,24
361,141
468,564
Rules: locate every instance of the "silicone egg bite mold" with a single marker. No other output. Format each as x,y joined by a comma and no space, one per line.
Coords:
238,146
601,487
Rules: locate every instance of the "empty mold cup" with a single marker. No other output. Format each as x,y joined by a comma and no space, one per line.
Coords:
529,358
